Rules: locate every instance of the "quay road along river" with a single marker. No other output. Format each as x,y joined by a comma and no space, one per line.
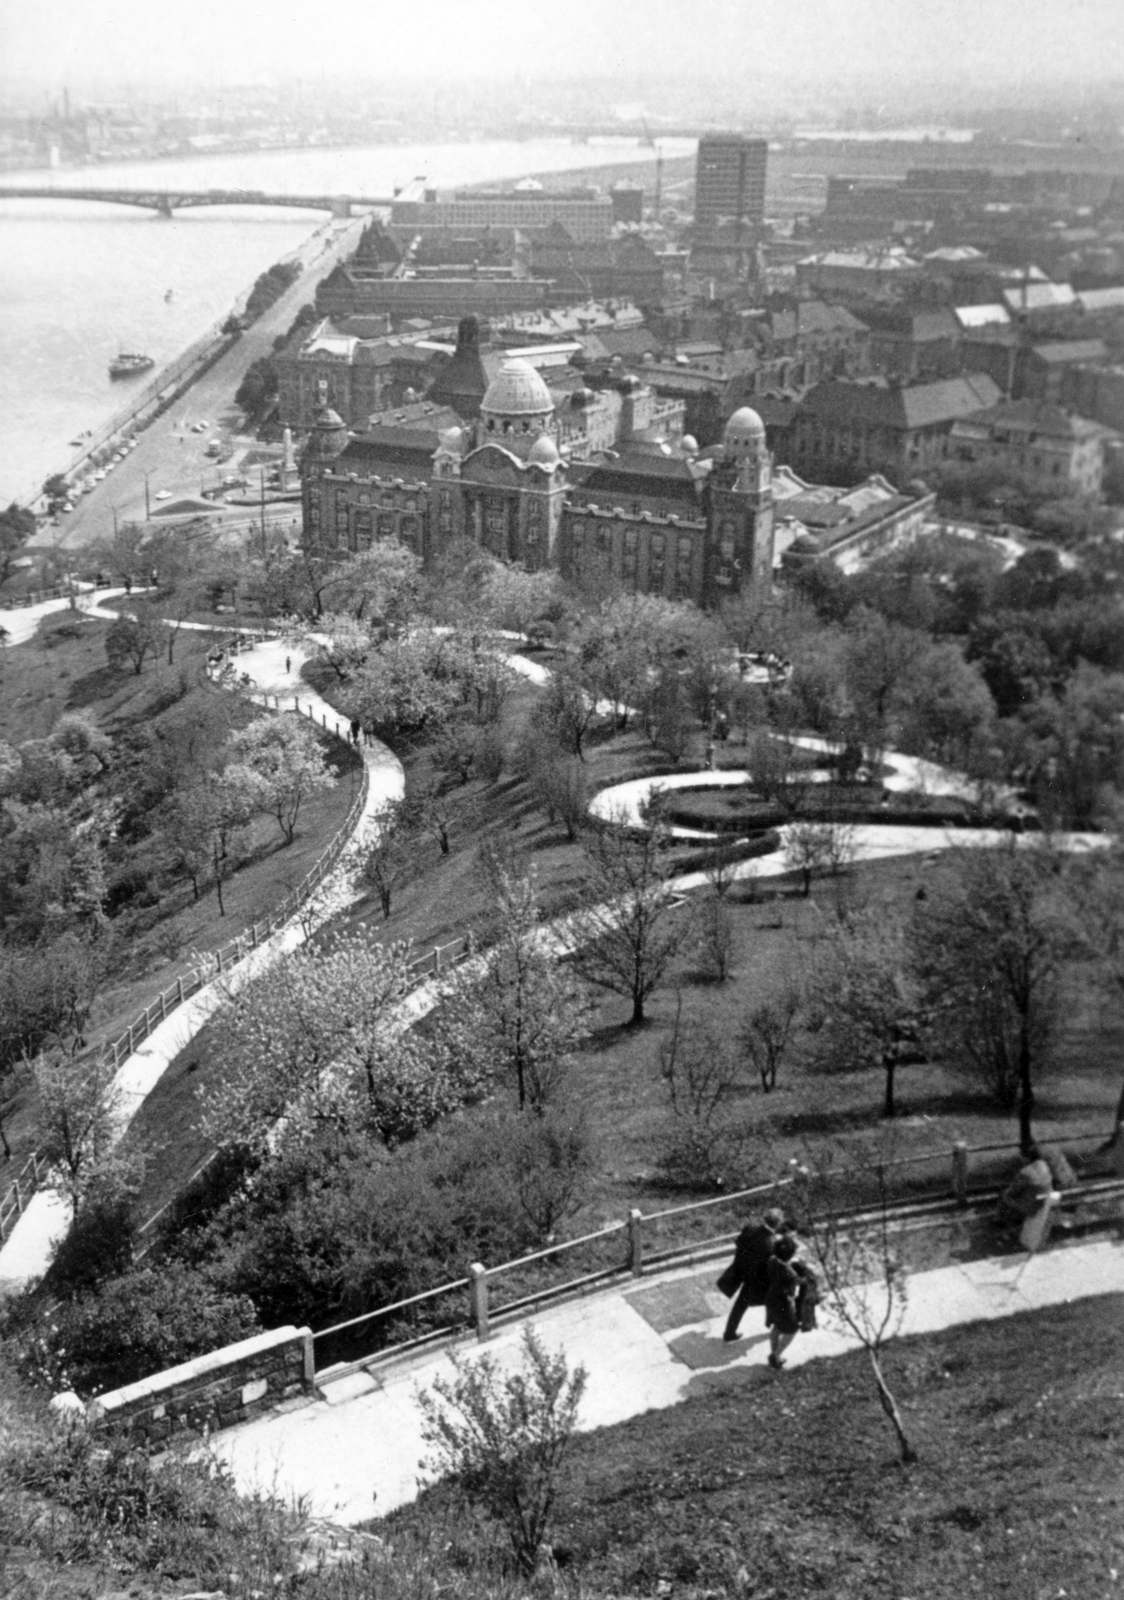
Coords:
170,455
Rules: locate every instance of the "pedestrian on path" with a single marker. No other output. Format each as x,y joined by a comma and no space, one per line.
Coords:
288,665
781,1315
748,1273
355,731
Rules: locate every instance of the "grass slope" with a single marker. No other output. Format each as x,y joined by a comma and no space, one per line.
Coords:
63,667
776,1486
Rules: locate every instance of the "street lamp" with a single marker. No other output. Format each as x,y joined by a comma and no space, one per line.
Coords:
147,507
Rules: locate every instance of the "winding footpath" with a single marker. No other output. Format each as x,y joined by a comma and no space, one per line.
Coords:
26,1253
356,1451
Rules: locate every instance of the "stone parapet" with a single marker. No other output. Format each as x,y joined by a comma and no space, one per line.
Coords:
215,1391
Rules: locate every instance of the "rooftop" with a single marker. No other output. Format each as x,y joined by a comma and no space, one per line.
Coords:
920,405
1066,351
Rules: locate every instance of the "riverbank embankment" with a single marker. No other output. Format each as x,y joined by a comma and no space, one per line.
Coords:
175,379
170,458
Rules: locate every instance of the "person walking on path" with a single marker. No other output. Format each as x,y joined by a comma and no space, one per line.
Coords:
748,1273
288,665
355,731
781,1315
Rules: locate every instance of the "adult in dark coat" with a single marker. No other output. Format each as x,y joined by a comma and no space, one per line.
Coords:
748,1273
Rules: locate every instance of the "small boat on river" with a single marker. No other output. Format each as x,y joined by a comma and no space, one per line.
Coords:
129,363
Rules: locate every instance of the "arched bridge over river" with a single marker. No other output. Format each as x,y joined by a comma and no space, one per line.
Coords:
167,201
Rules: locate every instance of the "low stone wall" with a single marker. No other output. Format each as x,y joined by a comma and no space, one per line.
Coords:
214,1391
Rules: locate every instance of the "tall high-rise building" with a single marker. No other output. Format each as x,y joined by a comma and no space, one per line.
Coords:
730,180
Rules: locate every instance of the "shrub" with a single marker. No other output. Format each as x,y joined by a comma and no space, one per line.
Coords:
504,1437
109,1501
132,1326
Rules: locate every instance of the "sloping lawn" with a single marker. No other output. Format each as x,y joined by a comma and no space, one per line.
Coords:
780,1485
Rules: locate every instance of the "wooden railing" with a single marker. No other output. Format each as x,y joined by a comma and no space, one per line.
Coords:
32,597
643,1242
215,964
19,1193
431,963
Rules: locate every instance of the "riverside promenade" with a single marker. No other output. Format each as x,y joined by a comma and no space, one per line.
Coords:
26,1253
357,1452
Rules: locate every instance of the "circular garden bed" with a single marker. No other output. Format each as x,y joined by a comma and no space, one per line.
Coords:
742,809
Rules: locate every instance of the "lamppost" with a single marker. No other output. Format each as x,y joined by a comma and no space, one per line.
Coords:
147,505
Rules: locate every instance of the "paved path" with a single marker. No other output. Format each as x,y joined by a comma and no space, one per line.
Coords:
870,841
172,456
645,1346
27,1251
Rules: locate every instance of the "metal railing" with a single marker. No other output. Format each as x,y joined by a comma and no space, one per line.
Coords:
227,956
645,1242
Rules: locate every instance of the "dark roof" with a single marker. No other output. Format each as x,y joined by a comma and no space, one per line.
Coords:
463,381
627,341
920,327
392,447
635,475
921,405
817,316
775,411
1033,417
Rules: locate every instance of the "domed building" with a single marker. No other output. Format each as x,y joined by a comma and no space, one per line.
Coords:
517,407
597,481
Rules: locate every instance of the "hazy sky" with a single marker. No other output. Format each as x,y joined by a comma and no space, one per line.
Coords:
56,41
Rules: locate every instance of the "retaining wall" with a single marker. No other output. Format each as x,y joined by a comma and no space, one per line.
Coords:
214,1391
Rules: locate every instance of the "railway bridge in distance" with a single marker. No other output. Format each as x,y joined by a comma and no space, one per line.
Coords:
165,202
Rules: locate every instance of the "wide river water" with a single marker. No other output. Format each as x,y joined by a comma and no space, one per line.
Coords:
81,281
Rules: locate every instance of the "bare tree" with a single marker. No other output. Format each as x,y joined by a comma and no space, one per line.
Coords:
866,1001
518,1010
766,1032
716,942
864,1283
430,804
702,1075
814,847
634,924
988,946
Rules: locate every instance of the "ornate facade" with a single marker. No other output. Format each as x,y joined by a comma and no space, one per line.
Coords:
658,517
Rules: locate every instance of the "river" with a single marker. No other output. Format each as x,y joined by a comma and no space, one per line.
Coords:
79,282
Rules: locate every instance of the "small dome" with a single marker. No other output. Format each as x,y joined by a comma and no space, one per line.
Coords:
744,424
328,436
689,445
804,545
544,452
517,391
452,439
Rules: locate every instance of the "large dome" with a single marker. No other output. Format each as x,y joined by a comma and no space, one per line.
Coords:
517,391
